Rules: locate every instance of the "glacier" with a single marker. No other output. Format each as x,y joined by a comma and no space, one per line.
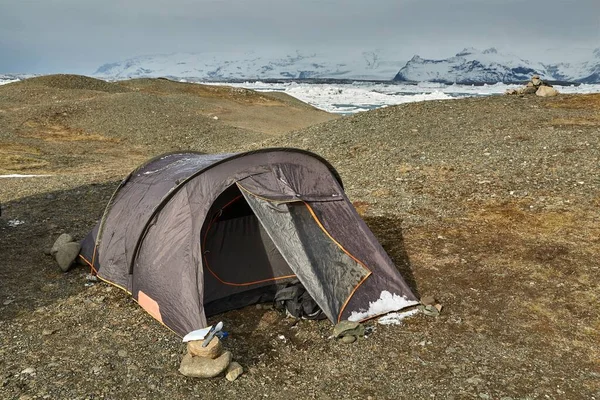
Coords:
474,66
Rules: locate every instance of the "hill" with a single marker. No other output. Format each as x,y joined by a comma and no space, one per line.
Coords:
69,125
489,204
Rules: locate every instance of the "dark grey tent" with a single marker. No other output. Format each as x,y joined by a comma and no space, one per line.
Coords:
190,235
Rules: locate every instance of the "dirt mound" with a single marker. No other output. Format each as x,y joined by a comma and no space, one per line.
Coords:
74,82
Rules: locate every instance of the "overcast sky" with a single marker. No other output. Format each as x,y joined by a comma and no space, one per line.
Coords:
42,36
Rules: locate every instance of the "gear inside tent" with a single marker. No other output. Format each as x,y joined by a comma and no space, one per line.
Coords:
190,235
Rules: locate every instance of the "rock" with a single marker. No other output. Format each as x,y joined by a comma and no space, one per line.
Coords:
28,371
529,84
536,81
546,91
348,339
62,240
122,353
267,320
428,300
201,367
535,76
345,328
234,370
48,251
66,255
529,90
430,311
212,350
48,332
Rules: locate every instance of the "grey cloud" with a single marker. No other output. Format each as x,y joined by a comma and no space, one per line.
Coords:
77,36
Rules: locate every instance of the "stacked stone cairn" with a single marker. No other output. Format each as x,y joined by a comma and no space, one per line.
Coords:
535,86
65,251
209,361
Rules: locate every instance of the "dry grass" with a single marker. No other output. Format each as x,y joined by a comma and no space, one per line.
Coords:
57,132
577,102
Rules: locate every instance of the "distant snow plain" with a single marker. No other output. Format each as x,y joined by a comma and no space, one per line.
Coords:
351,98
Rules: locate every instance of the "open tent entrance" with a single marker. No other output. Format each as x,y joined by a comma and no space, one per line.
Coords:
242,265
251,244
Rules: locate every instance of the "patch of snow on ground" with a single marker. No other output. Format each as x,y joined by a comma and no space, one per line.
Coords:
397,317
20,176
15,222
5,81
386,303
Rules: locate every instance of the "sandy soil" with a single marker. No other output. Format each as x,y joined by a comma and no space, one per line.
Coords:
490,204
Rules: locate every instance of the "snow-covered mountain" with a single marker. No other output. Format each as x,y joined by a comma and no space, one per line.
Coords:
9,78
490,66
471,66
587,71
252,65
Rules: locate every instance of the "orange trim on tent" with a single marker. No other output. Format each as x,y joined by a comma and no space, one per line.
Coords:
129,293
347,253
214,274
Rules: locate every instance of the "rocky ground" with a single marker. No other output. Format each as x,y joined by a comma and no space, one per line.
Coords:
490,204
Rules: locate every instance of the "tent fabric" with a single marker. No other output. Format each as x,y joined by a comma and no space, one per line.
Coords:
189,235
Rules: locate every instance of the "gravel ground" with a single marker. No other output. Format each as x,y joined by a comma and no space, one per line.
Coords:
489,204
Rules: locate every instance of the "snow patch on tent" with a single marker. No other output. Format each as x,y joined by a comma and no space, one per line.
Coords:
386,303
396,317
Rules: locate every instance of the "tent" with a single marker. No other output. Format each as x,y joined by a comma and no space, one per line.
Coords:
190,235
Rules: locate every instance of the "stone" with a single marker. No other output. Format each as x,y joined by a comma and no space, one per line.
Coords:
234,370
529,84
535,76
212,350
348,339
62,240
529,90
202,367
546,91
48,251
536,81
48,332
344,328
430,311
122,353
428,300
268,319
66,255
28,371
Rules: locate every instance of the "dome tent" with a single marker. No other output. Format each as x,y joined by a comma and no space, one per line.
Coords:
189,235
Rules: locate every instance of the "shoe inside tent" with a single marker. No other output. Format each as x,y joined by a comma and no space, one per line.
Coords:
190,235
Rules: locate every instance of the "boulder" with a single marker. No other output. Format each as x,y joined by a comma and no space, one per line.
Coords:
212,350
536,82
234,370
202,367
66,255
529,90
62,239
546,91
